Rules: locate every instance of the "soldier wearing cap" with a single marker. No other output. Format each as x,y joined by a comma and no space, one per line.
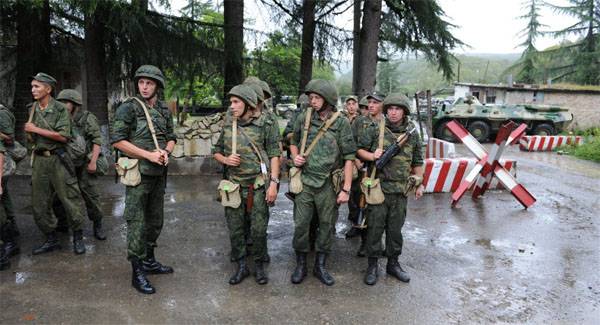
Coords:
334,150
48,132
351,105
85,124
144,203
363,106
354,116
257,145
390,215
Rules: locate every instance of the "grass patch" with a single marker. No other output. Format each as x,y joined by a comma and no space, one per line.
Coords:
590,149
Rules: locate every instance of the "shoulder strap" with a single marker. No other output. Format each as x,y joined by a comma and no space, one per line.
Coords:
379,143
322,131
306,126
149,120
234,135
254,147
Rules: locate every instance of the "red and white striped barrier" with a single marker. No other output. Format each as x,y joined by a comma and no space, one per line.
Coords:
445,175
437,148
547,142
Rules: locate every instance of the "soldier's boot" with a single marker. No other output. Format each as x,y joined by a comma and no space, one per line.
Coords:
394,269
240,273
300,270
261,274
49,245
10,244
151,266
4,262
138,278
78,245
99,231
319,270
362,250
371,276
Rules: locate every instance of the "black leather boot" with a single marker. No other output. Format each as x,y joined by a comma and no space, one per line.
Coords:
260,275
138,278
240,273
99,231
151,266
319,270
4,262
394,269
10,244
49,245
300,270
78,245
371,276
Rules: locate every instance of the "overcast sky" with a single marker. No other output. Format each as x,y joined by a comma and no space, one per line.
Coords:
487,26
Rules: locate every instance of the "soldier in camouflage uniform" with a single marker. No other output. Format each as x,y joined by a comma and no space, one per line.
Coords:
390,215
8,227
255,132
363,106
353,209
49,131
336,149
144,203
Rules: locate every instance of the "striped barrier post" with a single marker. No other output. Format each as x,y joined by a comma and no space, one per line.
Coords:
437,148
488,164
547,142
445,175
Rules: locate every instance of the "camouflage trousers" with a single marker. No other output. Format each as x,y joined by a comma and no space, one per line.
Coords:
144,214
50,177
89,191
389,217
259,221
323,201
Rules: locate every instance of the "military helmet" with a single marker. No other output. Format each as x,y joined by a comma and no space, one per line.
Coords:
376,96
245,93
363,101
251,79
397,99
323,88
260,95
45,78
152,72
71,95
266,89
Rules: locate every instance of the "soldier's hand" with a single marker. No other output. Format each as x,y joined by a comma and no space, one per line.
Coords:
271,194
165,157
299,161
233,160
155,157
30,127
342,198
91,167
377,154
419,191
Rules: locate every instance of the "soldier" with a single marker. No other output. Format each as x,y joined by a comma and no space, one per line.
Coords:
49,129
363,106
353,115
144,203
8,227
391,214
351,106
86,124
258,144
335,149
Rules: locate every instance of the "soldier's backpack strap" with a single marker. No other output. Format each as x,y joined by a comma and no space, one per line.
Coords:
379,142
234,135
149,120
306,126
263,165
322,131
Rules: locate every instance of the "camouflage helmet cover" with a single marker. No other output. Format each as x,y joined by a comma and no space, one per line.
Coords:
397,99
363,101
245,93
152,72
325,89
266,89
260,96
71,95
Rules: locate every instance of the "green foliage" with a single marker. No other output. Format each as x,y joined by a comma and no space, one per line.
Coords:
528,68
589,150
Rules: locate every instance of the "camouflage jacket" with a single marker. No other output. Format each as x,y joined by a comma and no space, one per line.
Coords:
130,124
54,118
87,125
360,124
263,132
336,146
7,122
394,175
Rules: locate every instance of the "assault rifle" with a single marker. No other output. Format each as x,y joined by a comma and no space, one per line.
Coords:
393,149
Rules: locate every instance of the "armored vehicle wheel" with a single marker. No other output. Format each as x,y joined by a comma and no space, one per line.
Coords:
480,130
443,133
544,129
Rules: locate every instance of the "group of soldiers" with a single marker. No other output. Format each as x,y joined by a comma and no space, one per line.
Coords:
327,151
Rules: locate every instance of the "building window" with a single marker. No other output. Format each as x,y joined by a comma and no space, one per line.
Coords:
490,96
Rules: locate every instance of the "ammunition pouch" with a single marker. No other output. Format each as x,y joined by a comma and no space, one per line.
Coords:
295,180
371,188
230,194
129,171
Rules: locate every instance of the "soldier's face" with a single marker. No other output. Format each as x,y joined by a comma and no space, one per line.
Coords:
316,101
395,113
364,111
40,90
69,106
237,106
351,106
375,107
147,88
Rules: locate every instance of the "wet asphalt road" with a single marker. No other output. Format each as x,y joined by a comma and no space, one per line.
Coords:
484,261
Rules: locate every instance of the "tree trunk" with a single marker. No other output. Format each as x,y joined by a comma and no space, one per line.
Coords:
308,37
356,47
33,54
369,41
233,11
95,63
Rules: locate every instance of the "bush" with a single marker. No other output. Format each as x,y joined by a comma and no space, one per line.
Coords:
590,149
